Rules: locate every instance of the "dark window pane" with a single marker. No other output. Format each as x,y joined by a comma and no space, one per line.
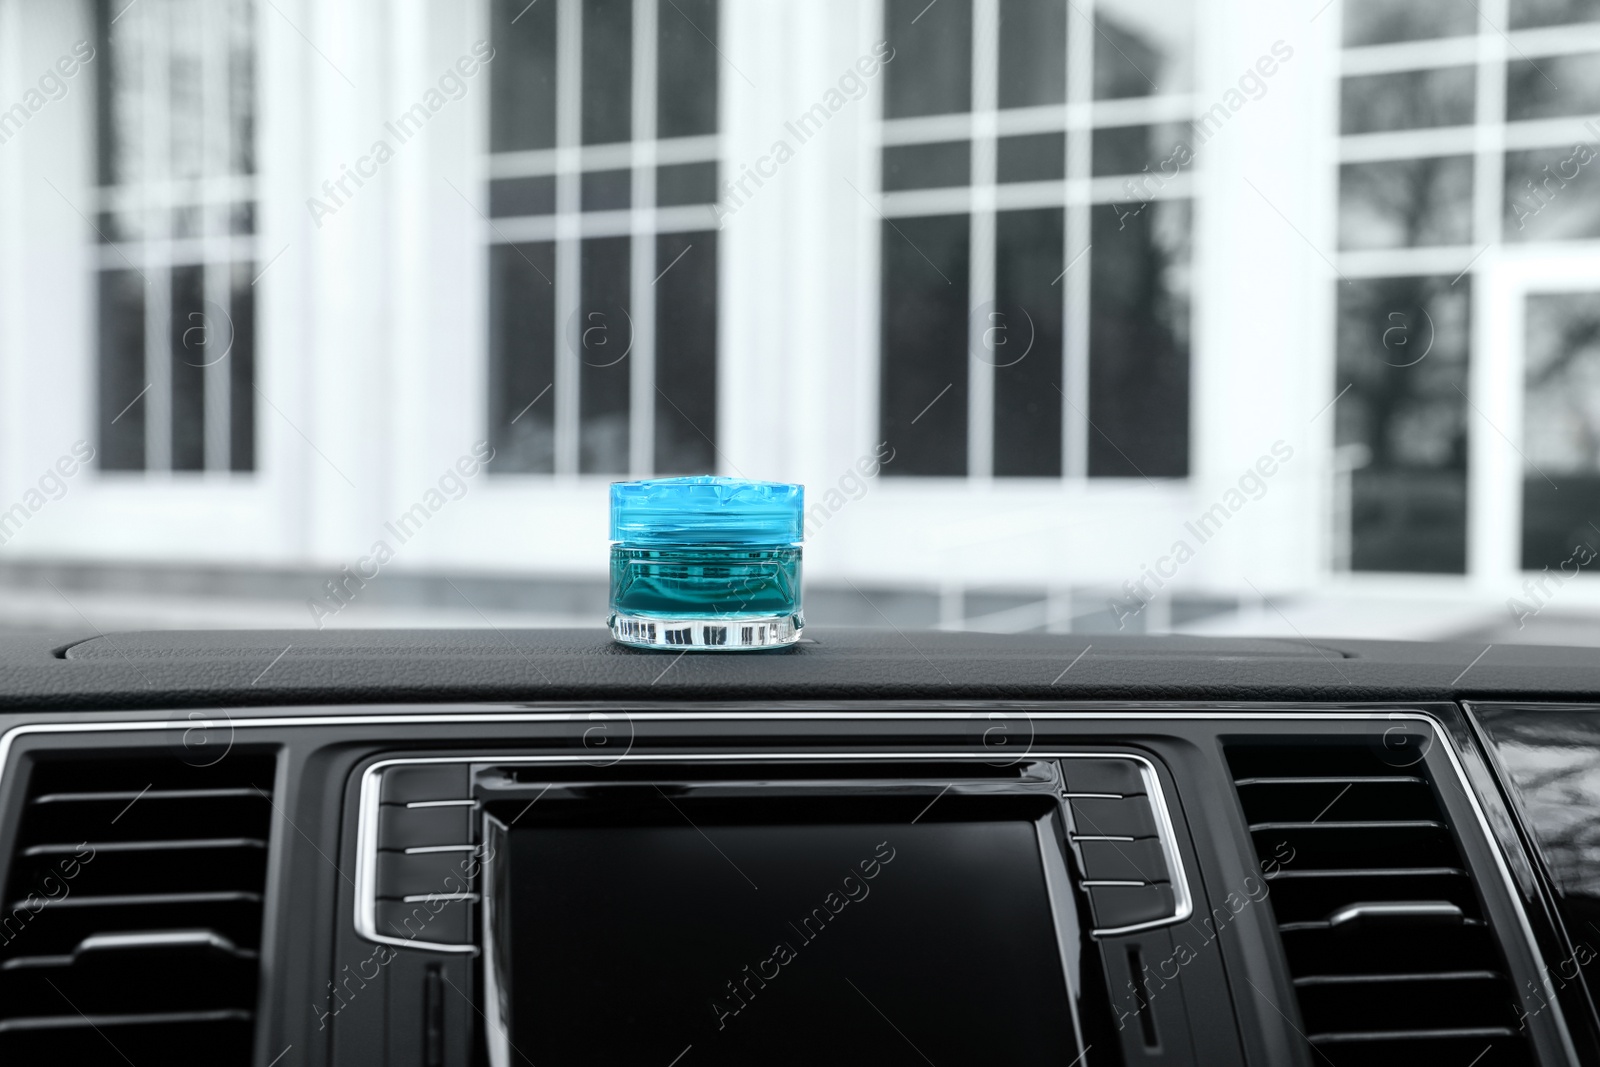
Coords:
107,147
1142,48
1552,194
123,400
1561,430
1526,13
1370,103
926,166
1139,341
510,197
923,387
688,67
602,336
522,365
190,328
607,71
1033,157
1382,21
522,110
686,183
606,190
686,353
242,370
1403,348
1022,339
1033,52
242,88
1129,149
1406,203
242,217
1531,91
931,69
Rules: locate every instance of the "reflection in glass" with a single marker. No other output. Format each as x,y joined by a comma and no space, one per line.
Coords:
1528,13
1139,287
1130,149
1143,48
926,166
522,364
686,183
923,390
1552,86
1408,100
1552,194
513,197
1406,203
1402,349
1383,21
1031,157
1561,428
607,71
522,111
686,353
1027,318
687,67
932,69
601,334
1033,52
605,190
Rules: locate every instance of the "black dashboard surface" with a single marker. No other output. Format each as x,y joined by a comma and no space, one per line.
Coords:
90,670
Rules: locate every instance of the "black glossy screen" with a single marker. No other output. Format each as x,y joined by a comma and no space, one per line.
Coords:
721,942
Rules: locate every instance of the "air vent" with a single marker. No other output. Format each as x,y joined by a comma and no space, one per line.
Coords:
132,918
1381,922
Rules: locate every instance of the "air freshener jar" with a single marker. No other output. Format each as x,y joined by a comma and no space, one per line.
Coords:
703,563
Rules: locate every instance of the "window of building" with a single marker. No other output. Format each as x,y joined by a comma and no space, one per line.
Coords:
177,248
602,238
1455,142
1036,218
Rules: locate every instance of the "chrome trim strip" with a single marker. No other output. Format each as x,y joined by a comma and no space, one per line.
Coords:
416,850
442,804
423,898
366,922
1105,882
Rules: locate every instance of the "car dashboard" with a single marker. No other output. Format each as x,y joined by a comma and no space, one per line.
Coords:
451,848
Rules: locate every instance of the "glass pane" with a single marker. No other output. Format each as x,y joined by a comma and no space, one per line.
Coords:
522,365
1033,52
1525,13
931,72
607,71
686,183
522,110
1032,157
1139,285
511,197
123,399
926,166
1130,149
688,66
1406,203
606,190
601,333
1409,100
1143,47
242,370
1561,430
187,330
242,87
923,388
1382,21
1552,195
1021,338
1531,86
1401,430
686,353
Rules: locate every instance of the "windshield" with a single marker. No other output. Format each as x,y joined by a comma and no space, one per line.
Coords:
1102,316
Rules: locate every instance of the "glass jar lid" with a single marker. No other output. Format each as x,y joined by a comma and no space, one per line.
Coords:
707,510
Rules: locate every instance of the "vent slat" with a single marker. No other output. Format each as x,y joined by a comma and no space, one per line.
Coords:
135,923
1389,956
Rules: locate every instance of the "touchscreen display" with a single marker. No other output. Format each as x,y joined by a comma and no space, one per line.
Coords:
696,941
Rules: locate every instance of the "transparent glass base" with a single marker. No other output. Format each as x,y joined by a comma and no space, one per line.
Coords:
722,633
